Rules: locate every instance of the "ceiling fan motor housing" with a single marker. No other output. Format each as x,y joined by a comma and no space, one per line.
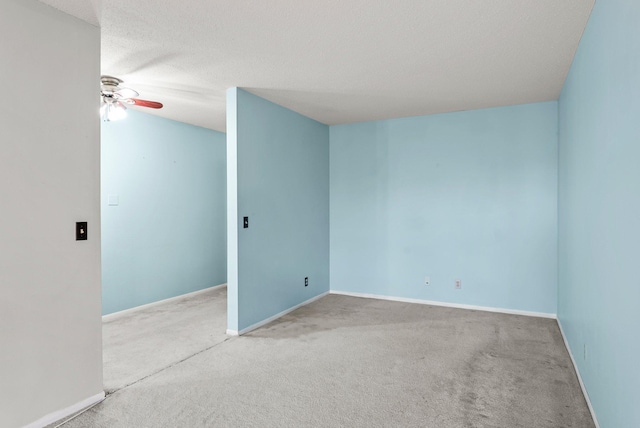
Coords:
109,84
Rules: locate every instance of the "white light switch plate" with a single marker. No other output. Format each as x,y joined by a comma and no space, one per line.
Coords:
113,200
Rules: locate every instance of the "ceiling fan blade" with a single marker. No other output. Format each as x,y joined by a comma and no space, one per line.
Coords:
145,103
125,93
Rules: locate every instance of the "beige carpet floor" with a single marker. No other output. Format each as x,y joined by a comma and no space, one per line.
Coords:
139,344
338,362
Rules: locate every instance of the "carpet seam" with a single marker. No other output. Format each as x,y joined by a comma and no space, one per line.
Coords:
108,393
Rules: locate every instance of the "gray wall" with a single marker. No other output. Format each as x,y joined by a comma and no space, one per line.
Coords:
50,325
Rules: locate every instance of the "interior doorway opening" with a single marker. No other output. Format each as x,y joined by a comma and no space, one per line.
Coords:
163,242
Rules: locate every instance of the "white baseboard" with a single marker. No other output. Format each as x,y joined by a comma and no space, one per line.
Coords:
67,411
275,317
446,304
116,315
575,366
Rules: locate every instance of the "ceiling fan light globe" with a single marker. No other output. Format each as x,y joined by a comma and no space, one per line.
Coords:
113,110
117,111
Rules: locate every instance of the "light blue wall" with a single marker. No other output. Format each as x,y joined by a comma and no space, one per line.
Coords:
599,211
283,187
469,195
167,236
232,210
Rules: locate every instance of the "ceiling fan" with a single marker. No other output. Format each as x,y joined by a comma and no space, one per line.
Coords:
114,98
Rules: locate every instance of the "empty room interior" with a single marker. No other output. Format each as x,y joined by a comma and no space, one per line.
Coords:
295,213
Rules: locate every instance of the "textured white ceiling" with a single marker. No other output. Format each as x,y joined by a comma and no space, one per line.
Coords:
337,61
